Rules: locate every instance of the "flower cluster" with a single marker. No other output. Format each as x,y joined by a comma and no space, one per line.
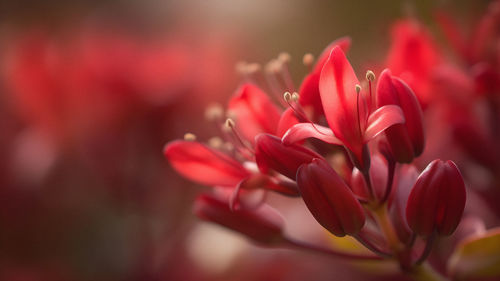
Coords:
373,196
355,150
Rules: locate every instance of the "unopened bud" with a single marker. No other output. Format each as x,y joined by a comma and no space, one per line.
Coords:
406,140
263,225
329,199
437,200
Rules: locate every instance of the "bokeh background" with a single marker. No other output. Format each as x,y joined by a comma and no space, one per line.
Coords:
90,91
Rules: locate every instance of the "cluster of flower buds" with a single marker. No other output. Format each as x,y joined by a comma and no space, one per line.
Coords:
375,196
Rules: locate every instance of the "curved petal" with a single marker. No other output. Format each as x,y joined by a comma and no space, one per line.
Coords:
254,111
309,89
204,165
343,42
344,110
287,120
309,93
382,119
272,154
303,131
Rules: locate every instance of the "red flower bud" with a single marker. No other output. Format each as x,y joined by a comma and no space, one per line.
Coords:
329,198
406,140
264,225
271,153
437,200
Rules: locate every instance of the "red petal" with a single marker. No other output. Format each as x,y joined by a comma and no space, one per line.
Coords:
340,101
309,89
264,225
309,93
271,153
382,119
287,120
406,140
344,43
329,199
303,131
255,113
404,179
204,165
413,56
437,200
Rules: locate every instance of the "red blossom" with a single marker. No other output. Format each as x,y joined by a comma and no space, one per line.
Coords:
329,198
437,200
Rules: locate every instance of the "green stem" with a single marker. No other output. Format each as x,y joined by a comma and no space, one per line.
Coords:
385,224
425,272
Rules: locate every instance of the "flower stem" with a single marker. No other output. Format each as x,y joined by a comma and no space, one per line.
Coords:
425,272
385,224
331,252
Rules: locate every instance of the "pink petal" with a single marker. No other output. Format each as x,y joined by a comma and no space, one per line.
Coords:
303,131
204,165
382,119
254,112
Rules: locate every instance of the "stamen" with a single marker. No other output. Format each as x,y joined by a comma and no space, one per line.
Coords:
287,97
189,137
215,142
358,90
214,112
295,97
308,61
370,76
229,124
284,67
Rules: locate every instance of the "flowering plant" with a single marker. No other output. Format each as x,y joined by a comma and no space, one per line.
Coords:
350,150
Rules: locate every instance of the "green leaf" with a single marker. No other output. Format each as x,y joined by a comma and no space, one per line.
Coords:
477,256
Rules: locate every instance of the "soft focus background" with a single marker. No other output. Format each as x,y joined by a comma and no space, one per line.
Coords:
90,91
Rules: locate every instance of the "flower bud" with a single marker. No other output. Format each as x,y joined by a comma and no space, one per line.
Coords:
271,153
329,198
264,225
437,200
406,140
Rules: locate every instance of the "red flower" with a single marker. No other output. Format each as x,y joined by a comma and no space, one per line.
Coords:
406,140
205,165
271,153
309,89
348,111
329,198
264,225
413,56
253,111
437,200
